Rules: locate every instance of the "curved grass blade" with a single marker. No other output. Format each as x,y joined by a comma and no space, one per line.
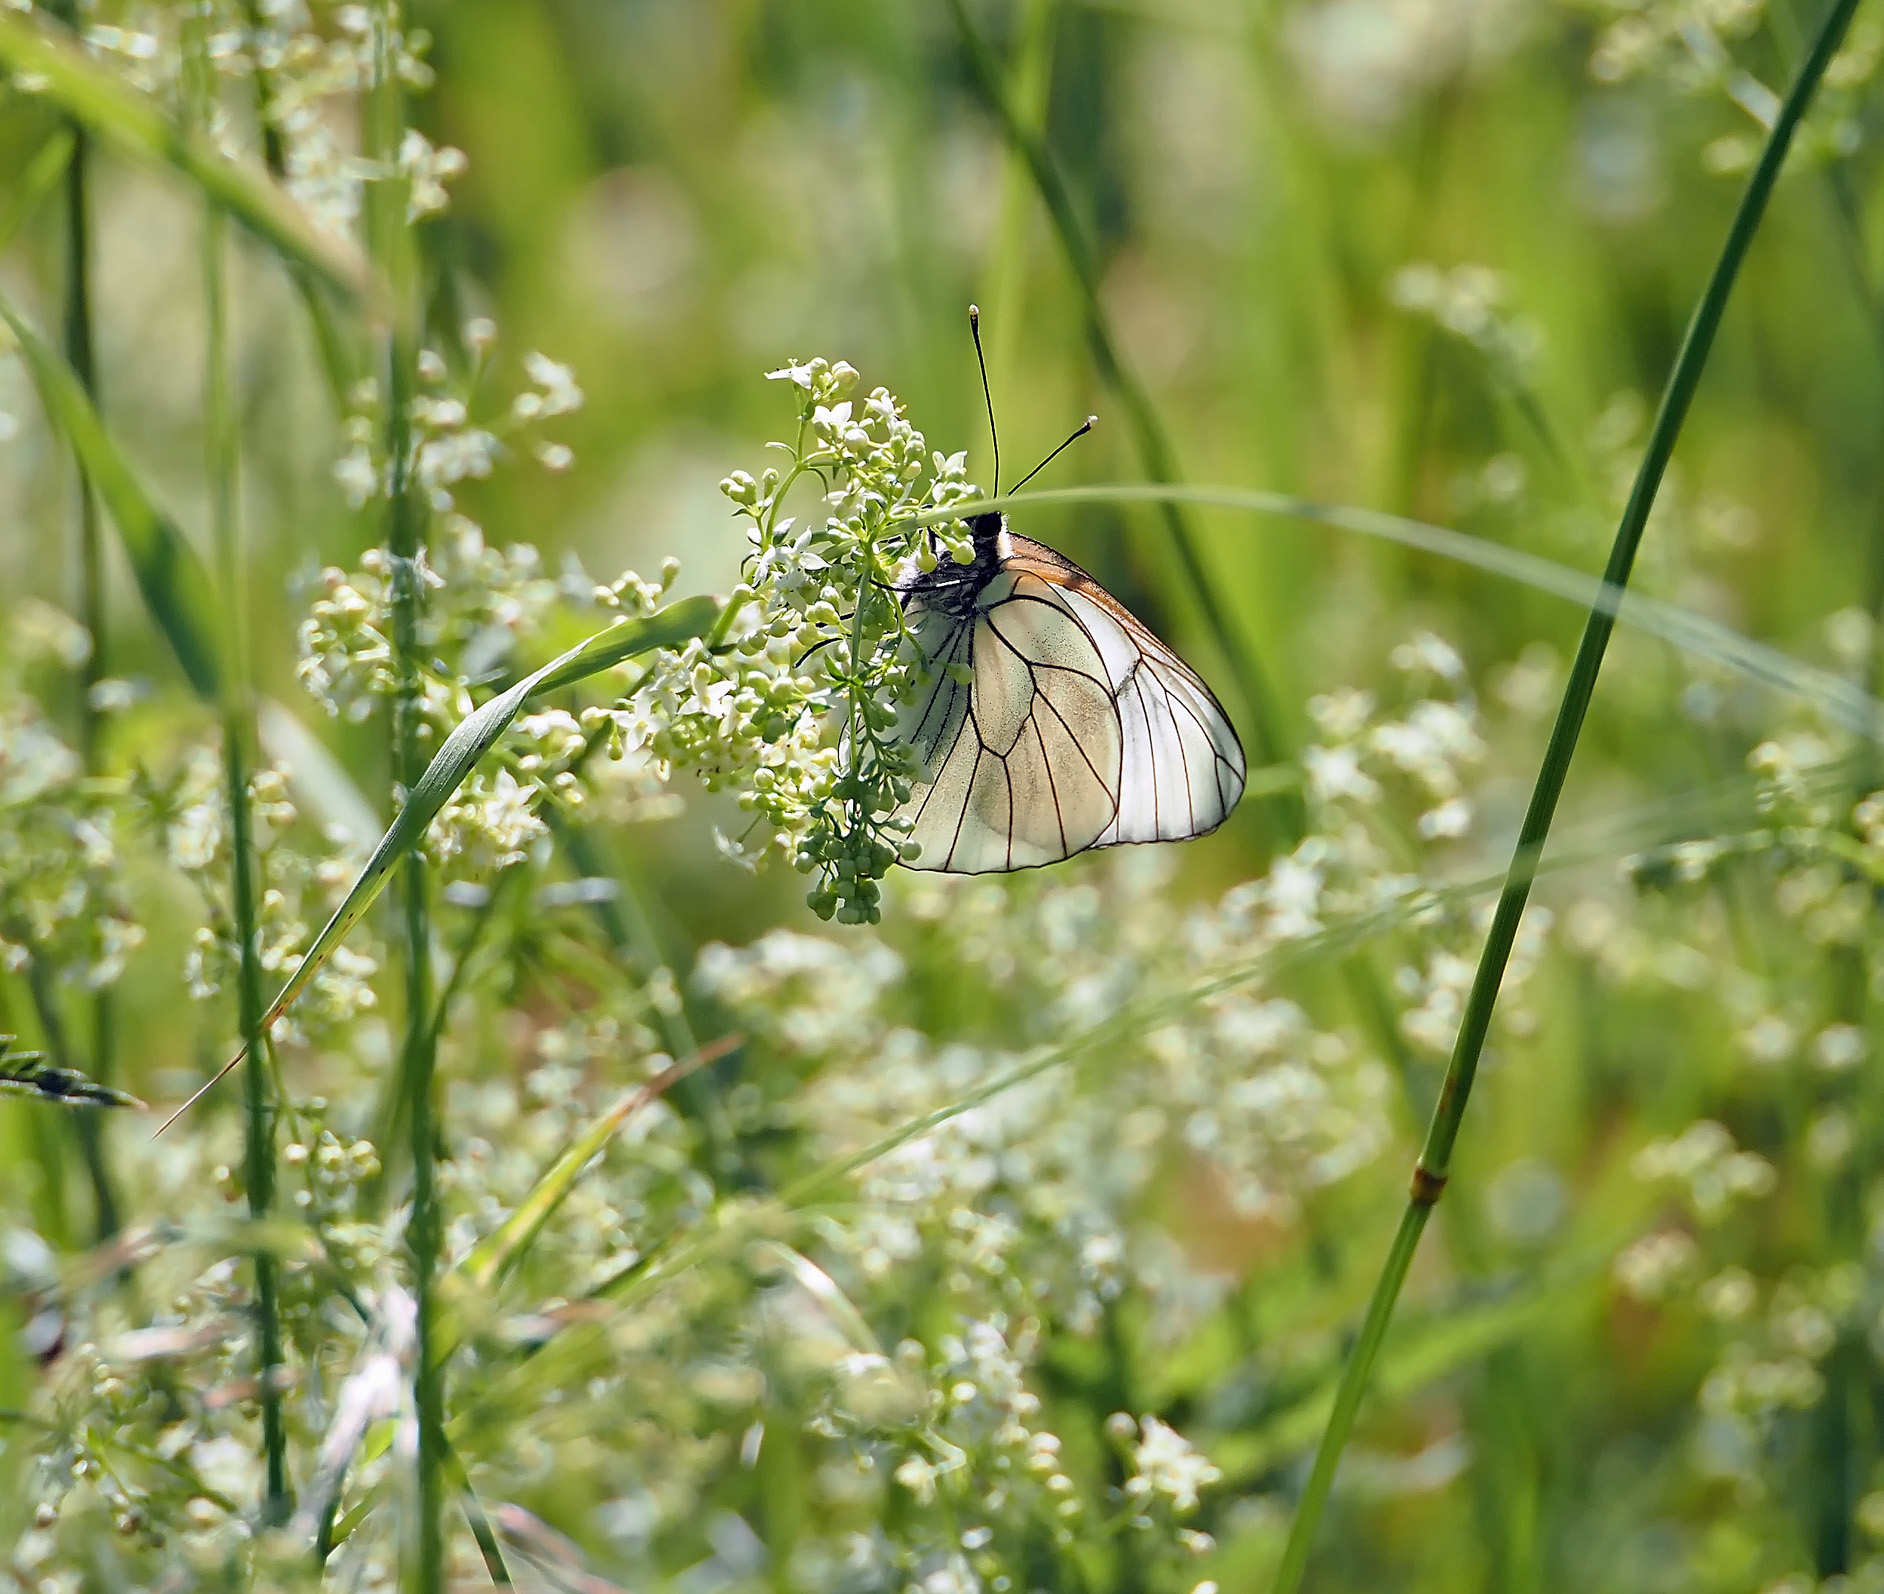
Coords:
172,578
474,736
1845,704
491,1258
103,105
822,1288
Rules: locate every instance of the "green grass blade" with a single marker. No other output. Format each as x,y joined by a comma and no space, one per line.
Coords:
99,102
822,1288
173,579
29,1074
475,735
1843,702
42,172
1429,1174
492,1257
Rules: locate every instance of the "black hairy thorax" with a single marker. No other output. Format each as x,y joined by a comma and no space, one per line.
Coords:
952,589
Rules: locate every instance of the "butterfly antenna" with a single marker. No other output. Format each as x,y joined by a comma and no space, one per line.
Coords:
974,328
1091,422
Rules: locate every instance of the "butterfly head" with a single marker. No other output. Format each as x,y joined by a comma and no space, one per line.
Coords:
987,530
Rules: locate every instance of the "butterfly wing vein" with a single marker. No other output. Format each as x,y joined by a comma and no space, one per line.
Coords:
1076,728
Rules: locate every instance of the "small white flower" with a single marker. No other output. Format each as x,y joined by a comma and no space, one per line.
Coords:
918,1477
1166,1464
558,383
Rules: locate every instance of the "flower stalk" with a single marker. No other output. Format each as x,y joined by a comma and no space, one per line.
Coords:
222,459
1435,1160
80,356
391,245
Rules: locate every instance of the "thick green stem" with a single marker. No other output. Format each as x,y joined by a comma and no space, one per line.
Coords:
1435,1161
391,242
238,738
59,1047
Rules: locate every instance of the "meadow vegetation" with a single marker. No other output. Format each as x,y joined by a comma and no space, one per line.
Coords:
603,1166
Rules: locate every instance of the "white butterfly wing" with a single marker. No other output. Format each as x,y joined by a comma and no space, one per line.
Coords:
1020,765
1077,728
1183,768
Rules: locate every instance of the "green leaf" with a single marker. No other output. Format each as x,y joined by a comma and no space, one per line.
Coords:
97,100
175,584
475,735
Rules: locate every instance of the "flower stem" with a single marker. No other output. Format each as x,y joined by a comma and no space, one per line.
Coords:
80,356
391,242
338,360
1435,1161
238,738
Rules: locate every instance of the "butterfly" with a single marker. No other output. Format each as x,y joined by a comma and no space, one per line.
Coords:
1050,720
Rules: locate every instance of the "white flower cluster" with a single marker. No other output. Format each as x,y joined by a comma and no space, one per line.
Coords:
1689,45
833,812
1437,993
1703,1164
300,887
448,443
1042,1179
311,82
63,903
1164,1464
346,654
1473,302
310,76
1433,745
482,604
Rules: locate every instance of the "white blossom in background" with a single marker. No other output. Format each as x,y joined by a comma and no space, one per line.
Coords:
1164,1464
1704,1166
1473,302
65,907
1701,51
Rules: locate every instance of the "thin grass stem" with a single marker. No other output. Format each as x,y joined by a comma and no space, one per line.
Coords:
1839,700
81,356
1435,1160
222,459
